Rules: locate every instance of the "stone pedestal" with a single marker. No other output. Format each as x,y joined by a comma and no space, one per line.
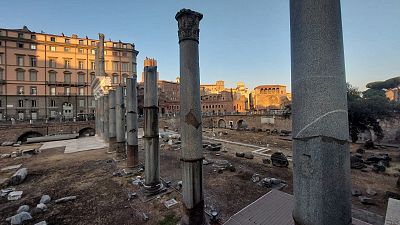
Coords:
120,123
111,121
132,123
190,117
321,180
152,182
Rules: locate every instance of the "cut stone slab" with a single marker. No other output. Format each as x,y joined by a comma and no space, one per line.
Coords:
393,212
13,167
170,203
77,145
15,195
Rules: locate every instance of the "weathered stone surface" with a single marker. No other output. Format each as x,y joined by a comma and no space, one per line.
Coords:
20,218
45,199
393,212
356,162
279,159
41,223
23,208
371,192
366,201
248,155
240,154
18,176
41,207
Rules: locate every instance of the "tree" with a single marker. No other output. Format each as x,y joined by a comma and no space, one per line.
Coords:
366,109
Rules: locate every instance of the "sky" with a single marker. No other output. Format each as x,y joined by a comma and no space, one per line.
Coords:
240,40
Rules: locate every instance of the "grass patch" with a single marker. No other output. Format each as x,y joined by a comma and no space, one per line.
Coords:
169,219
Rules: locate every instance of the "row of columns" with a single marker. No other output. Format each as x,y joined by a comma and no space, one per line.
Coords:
320,127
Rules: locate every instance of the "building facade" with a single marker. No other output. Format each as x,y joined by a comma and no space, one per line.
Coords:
393,94
269,97
48,76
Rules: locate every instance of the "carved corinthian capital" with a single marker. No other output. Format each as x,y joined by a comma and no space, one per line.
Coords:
188,24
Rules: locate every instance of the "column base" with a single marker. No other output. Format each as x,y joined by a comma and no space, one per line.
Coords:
111,144
120,150
132,156
195,215
154,189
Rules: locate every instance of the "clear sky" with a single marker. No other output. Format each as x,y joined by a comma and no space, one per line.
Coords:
239,40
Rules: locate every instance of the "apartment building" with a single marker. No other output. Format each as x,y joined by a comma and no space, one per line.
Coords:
48,76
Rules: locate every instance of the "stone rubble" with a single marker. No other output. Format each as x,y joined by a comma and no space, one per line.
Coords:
20,218
65,199
18,176
23,208
15,195
45,199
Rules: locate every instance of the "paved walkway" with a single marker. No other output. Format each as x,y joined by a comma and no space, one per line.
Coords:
77,145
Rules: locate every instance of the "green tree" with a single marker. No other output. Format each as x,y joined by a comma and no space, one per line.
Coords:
366,109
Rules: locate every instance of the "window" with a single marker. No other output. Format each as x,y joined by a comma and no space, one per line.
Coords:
125,67
67,40
67,77
20,75
81,42
66,49
33,46
81,103
125,54
115,79
115,53
20,35
52,76
92,75
53,92
92,103
93,51
20,45
33,61
67,63
81,51
1,58
1,75
52,63
52,103
67,90
20,103
124,78
92,65
20,60
33,103
81,65
52,48
0,43
52,39
20,90
115,45
81,91
81,78
33,75
124,46
115,66
33,37
93,43
33,90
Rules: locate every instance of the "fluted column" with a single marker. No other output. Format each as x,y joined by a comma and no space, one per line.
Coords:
321,179
190,117
132,123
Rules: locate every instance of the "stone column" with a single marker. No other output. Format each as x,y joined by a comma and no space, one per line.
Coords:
321,180
132,123
120,122
97,117
152,182
105,118
190,117
101,116
111,121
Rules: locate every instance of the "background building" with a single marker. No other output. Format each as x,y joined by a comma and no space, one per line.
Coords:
393,94
49,76
269,97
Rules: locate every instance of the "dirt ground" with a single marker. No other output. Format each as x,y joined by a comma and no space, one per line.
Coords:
103,198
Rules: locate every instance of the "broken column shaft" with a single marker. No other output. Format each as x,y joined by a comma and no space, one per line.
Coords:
190,117
151,142
105,118
111,121
321,179
120,122
131,123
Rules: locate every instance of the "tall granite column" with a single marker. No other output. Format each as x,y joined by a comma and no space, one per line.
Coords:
111,121
321,179
132,123
101,116
190,117
105,118
152,182
120,122
97,117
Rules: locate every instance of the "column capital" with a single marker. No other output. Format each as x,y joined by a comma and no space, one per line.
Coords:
188,24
